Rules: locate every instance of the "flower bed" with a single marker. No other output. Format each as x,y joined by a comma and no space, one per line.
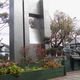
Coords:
44,70
10,68
7,77
36,75
42,74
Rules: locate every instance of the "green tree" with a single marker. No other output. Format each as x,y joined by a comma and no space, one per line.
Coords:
4,15
62,28
78,32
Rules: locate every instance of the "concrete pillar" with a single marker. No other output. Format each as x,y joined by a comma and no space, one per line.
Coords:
33,36
47,31
16,29
20,30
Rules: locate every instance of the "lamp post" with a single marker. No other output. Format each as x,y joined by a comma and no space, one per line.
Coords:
23,28
75,41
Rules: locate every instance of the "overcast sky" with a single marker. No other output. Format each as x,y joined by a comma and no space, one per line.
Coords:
70,7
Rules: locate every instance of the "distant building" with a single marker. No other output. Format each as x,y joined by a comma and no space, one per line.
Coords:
73,46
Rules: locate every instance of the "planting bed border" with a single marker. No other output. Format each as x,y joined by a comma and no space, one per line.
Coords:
36,75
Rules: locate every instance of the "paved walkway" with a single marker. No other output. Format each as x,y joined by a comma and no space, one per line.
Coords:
75,75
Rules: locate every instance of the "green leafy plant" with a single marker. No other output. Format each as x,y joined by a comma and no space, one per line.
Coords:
29,69
10,68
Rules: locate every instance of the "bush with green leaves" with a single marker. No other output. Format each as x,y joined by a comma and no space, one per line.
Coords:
10,68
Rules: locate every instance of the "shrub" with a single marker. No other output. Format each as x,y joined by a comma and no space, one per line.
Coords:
51,64
10,68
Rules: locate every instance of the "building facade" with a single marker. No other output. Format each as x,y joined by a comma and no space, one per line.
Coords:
28,26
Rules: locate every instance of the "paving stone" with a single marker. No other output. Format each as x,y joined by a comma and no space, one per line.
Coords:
74,75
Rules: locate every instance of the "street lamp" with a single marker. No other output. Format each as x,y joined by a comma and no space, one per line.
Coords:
75,41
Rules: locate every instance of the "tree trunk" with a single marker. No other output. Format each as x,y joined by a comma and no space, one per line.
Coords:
61,41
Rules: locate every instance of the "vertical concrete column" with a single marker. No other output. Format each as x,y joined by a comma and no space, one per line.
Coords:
32,35
26,22
47,20
16,29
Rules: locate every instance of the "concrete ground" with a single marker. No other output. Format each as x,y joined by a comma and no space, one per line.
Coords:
74,75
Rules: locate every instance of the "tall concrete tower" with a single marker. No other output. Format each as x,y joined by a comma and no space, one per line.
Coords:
26,27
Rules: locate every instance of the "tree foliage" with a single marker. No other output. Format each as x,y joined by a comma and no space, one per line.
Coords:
4,15
62,27
78,32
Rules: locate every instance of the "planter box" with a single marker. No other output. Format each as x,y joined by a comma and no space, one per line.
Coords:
42,74
7,77
68,66
36,75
